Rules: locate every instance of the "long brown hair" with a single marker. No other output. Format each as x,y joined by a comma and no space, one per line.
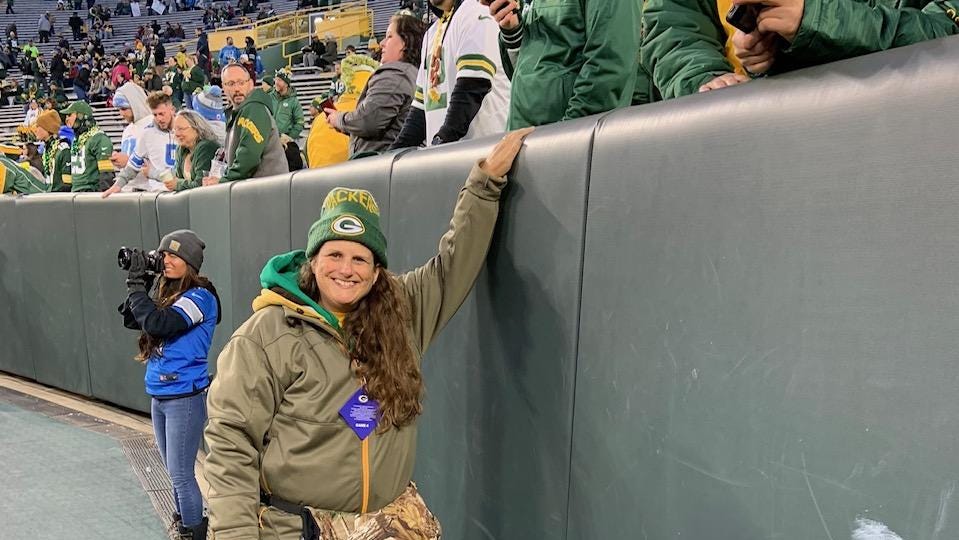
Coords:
169,291
377,332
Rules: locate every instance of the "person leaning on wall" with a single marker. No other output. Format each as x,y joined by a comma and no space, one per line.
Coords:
313,411
176,328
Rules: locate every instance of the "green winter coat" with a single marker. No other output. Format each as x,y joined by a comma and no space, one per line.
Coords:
253,148
16,179
684,41
273,407
834,30
577,58
288,113
200,160
90,158
193,79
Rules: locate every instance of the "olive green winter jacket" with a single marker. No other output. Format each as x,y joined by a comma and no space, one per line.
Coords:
288,113
570,59
274,421
685,43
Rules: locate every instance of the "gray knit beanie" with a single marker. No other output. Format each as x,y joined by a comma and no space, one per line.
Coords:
186,245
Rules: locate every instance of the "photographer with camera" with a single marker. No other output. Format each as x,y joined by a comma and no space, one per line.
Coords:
176,327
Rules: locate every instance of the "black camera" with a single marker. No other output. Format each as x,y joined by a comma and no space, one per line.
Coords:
154,260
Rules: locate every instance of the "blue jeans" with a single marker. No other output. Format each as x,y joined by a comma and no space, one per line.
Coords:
178,426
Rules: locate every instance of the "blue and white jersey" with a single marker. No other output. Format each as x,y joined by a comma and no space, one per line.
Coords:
180,365
157,147
128,144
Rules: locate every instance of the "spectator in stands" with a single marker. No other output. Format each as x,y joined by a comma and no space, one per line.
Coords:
253,148
385,101
151,83
176,331
314,139
328,57
82,83
197,145
153,155
330,145
229,53
312,52
289,118
587,56
209,105
173,79
250,46
43,27
193,80
818,32
55,160
10,8
58,68
337,86
340,292
120,72
14,179
248,65
76,24
461,90
33,111
203,50
90,167
131,102
57,96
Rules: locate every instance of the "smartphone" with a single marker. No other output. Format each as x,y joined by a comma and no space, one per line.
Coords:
327,104
488,2
744,17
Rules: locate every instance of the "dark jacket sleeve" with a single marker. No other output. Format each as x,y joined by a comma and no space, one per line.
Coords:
465,102
386,95
161,323
253,127
832,31
682,45
413,133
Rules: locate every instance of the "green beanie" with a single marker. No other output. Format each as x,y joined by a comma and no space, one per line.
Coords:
349,214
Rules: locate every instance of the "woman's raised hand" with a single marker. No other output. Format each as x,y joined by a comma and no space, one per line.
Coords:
500,159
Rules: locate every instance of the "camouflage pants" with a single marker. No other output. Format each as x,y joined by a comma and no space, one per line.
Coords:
406,518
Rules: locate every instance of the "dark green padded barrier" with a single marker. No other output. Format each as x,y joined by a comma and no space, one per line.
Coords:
150,219
769,311
14,326
51,302
259,229
210,219
310,187
495,437
103,226
173,212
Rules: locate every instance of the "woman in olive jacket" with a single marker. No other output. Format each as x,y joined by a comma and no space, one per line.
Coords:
312,414
196,147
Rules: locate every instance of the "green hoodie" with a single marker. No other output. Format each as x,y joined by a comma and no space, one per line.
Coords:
253,148
16,179
289,113
274,406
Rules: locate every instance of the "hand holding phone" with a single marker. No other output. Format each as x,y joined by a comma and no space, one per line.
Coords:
745,17
504,12
327,104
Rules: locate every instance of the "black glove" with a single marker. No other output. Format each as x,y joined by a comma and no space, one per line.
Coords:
136,276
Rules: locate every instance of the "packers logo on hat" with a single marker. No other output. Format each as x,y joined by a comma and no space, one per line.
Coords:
348,225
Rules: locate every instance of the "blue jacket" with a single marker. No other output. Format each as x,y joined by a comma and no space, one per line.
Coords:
227,53
179,367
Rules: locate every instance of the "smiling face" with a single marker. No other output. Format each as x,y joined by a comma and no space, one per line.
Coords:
173,266
345,272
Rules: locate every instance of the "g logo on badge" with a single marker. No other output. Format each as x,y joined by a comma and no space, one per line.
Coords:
348,226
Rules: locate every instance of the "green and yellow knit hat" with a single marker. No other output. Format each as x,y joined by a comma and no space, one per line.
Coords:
349,214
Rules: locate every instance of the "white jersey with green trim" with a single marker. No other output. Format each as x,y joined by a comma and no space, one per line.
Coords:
470,49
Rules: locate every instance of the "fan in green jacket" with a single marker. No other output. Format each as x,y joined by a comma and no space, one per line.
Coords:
193,80
687,45
56,152
288,112
821,31
90,152
196,143
569,60
16,179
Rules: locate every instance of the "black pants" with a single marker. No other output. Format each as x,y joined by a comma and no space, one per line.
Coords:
76,34
44,36
10,9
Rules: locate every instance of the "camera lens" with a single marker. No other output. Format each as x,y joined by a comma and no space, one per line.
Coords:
123,258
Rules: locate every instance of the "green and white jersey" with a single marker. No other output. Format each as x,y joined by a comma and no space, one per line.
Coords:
90,156
462,44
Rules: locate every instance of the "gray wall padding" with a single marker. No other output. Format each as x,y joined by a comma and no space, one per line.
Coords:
728,316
